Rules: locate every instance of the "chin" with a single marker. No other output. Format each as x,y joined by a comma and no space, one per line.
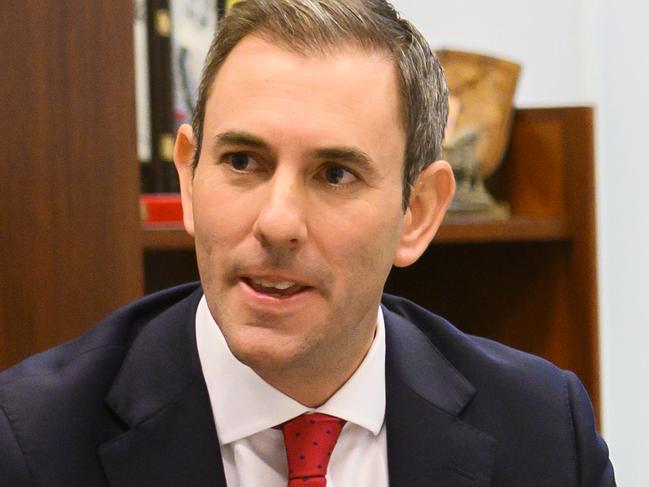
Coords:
266,352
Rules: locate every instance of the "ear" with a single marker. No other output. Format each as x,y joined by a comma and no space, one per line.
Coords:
431,194
183,159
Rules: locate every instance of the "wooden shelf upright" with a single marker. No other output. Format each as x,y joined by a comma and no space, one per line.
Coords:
70,249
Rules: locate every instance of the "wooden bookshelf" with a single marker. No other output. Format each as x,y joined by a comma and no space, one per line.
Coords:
73,251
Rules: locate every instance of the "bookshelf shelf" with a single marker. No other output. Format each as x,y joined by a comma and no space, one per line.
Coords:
515,229
171,237
453,230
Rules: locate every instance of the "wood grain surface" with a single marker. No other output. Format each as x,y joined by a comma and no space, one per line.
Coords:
69,226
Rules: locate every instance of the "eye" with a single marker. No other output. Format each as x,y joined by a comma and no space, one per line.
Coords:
338,175
240,161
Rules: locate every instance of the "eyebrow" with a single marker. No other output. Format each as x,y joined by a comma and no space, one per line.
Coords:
348,155
232,137
334,154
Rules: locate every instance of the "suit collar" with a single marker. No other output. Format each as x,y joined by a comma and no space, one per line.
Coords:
427,440
161,362
416,362
161,395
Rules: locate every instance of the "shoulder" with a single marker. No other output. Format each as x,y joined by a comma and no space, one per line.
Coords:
510,385
539,414
477,358
52,408
107,339
66,376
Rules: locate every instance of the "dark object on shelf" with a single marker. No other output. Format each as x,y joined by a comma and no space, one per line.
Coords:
179,33
158,175
471,195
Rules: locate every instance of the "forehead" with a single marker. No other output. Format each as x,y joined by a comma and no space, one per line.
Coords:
349,91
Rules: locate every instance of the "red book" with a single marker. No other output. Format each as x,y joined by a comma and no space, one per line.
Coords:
161,208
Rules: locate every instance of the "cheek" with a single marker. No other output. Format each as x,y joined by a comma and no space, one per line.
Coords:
220,217
365,244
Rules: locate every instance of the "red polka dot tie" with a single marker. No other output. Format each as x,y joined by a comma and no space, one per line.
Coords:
309,440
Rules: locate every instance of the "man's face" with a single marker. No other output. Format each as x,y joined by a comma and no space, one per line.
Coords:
295,204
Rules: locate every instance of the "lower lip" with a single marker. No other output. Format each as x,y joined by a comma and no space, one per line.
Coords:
268,300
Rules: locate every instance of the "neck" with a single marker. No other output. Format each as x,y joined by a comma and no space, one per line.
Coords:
314,384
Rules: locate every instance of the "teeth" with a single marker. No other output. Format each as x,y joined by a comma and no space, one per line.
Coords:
277,285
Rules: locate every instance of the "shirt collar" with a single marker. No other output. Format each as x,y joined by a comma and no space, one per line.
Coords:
244,404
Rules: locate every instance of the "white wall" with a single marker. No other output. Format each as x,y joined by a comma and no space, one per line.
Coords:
594,52
623,175
544,36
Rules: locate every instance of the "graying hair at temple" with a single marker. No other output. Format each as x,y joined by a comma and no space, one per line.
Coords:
321,27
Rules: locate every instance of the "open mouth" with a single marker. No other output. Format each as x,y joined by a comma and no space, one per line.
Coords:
280,289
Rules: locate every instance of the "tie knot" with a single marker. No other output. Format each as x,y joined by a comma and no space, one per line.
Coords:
309,440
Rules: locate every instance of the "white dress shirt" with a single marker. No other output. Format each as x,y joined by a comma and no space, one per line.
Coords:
246,408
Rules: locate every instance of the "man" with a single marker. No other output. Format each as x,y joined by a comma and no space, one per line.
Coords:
308,173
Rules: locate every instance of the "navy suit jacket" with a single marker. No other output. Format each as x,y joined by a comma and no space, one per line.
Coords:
126,405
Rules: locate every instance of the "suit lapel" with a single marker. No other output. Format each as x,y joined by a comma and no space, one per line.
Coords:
159,387
427,442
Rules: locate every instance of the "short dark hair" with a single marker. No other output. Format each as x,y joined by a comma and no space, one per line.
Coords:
322,26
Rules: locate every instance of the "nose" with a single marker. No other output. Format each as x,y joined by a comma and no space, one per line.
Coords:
281,219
